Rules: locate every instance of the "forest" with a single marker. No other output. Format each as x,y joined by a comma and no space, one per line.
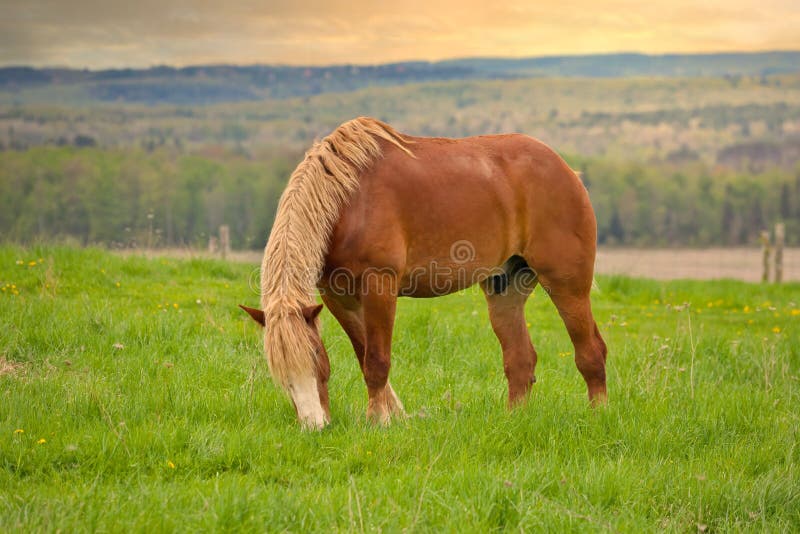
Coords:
136,198
668,161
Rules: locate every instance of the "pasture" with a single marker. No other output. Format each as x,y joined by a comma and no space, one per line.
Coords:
134,396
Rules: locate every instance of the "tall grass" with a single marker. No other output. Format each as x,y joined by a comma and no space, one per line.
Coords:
134,396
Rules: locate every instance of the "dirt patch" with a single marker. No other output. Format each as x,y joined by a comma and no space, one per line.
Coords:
661,264
8,367
237,256
699,264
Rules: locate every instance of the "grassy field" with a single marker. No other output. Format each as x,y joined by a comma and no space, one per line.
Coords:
134,396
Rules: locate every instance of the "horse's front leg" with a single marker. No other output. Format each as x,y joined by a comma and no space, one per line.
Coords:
349,312
379,303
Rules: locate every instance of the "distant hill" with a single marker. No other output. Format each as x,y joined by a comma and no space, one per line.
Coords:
224,83
624,65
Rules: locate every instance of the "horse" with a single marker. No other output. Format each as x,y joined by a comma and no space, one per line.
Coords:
371,214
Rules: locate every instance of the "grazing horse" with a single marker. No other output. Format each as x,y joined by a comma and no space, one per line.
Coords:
371,214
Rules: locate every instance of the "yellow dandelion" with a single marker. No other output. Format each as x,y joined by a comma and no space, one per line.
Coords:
41,441
776,329
795,312
19,431
118,285
170,464
31,264
750,321
175,305
528,324
746,309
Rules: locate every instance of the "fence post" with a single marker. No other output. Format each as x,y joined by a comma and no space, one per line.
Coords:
150,231
225,240
780,233
765,253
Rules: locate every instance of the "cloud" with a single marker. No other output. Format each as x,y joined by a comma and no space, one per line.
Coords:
97,34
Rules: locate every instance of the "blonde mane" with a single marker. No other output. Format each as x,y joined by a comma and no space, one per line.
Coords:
295,253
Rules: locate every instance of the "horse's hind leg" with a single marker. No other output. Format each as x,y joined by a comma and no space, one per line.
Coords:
506,296
569,291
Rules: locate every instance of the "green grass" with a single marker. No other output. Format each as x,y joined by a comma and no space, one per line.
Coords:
179,427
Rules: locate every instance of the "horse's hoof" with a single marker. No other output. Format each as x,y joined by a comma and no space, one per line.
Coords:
393,402
378,413
598,399
384,406
314,424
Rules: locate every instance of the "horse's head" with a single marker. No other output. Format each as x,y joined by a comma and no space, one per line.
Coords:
307,384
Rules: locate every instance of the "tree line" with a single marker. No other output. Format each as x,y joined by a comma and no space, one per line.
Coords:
138,198
689,204
134,198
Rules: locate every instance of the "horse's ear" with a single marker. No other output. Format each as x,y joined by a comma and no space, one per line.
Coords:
310,312
255,313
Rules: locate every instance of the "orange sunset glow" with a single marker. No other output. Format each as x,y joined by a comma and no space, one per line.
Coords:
94,34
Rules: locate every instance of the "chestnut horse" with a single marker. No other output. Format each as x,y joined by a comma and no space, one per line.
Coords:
370,215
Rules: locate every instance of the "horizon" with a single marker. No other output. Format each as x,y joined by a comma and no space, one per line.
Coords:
78,34
179,66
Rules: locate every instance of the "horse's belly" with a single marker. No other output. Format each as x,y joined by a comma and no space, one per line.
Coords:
442,278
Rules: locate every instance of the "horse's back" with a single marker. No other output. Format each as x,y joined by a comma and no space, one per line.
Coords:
496,195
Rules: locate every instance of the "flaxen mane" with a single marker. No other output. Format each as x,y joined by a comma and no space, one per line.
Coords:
295,253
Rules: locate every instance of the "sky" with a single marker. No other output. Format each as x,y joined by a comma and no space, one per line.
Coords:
141,33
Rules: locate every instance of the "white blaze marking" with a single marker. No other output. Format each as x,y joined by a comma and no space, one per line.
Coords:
305,395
